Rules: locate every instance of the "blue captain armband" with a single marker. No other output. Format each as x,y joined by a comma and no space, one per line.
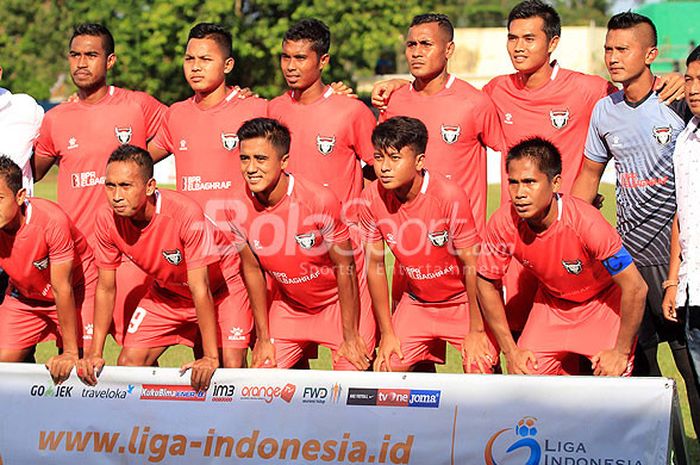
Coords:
618,262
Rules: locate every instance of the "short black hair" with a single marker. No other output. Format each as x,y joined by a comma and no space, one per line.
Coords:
267,128
694,56
11,173
544,153
537,8
628,20
313,30
215,32
443,22
95,30
399,132
136,155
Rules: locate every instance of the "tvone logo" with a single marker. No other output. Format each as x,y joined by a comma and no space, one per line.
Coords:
38,390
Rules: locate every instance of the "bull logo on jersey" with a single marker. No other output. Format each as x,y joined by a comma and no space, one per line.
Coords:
573,267
438,239
174,257
123,135
230,140
41,264
305,241
559,118
662,134
325,144
450,133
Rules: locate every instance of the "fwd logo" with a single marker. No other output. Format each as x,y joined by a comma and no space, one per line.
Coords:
320,394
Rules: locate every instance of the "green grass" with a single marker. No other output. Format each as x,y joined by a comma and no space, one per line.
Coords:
175,356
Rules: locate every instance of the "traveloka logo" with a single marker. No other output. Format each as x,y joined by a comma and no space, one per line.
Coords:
525,432
107,393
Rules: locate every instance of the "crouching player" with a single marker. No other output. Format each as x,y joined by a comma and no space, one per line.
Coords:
195,271
591,297
52,276
294,229
427,223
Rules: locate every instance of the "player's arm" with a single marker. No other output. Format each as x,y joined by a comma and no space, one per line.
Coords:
614,362
61,365
203,368
91,364
382,90
254,279
41,165
588,181
378,285
353,347
671,284
157,153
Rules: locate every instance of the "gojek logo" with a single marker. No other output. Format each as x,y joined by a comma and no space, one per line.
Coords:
502,445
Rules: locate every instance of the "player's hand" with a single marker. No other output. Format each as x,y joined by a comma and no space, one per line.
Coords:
61,365
202,371
382,90
598,200
89,368
610,363
670,87
388,345
244,92
355,350
669,304
341,88
476,351
264,354
518,362
72,98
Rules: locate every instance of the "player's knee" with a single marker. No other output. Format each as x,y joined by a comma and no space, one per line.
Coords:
234,358
128,358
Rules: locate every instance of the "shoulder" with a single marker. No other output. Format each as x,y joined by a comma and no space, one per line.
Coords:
503,221
137,96
581,213
497,82
46,212
317,197
254,103
279,101
177,204
25,103
371,192
444,190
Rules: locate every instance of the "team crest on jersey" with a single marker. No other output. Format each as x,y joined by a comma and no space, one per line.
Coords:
305,241
559,118
230,140
573,267
662,134
174,257
41,264
325,144
450,133
438,239
123,135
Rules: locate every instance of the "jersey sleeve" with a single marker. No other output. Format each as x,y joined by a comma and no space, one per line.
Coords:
362,125
497,246
461,220
107,254
235,214
43,146
154,113
330,225
59,240
368,222
197,236
491,131
596,149
163,139
598,236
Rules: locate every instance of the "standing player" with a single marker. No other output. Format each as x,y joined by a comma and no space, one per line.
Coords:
331,133
426,221
590,298
639,132
295,230
52,276
201,131
81,135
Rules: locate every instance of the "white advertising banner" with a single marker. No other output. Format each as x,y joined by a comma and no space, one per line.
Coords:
147,415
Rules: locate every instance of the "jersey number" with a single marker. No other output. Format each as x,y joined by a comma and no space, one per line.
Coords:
136,319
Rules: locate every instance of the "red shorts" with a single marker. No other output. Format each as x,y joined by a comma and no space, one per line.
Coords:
520,288
163,322
132,285
424,328
557,329
297,333
25,323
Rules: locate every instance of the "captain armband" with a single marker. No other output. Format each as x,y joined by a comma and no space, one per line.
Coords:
618,262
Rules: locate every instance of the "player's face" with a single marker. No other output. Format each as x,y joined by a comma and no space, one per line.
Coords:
205,65
628,53
126,188
692,87
10,204
397,168
261,164
528,46
89,62
530,190
427,50
300,64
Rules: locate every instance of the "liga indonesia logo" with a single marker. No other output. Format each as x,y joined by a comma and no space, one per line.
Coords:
524,432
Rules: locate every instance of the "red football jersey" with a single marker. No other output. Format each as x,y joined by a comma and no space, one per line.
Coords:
462,121
82,136
205,145
566,258
558,111
423,234
329,138
47,237
178,238
291,240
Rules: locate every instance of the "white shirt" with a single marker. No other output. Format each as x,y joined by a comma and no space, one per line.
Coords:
686,165
20,119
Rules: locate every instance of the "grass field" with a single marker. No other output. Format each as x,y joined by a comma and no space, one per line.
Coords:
175,356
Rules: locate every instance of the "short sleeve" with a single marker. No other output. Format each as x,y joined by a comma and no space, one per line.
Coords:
363,123
163,139
491,131
497,247
107,254
461,220
596,149
236,214
329,223
44,147
197,236
600,238
59,240
368,222
154,114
